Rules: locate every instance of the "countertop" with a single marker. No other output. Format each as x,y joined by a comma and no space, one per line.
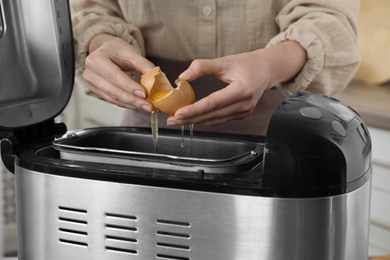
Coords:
371,102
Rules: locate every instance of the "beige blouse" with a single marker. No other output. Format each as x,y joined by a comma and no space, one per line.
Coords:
184,30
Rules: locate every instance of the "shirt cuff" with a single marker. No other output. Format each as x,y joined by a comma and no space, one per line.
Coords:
315,58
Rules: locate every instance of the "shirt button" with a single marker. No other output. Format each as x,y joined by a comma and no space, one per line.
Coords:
207,10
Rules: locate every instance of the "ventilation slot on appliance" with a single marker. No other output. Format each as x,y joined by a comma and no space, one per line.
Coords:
121,250
72,226
169,257
173,239
173,234
118,227
120,231
174,223
173,246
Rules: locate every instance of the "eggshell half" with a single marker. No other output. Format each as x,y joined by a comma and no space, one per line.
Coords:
154,81
177,98
162,95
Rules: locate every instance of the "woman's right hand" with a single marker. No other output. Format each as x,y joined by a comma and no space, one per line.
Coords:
105,71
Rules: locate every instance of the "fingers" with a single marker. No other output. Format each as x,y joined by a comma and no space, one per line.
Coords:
212,118
230,103
105,71
246,85
135,62
203,67
100,64
124,55
128,59
109,92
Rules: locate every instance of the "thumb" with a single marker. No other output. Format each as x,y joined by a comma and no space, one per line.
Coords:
199,68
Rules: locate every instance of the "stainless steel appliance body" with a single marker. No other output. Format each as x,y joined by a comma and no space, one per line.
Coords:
86,197
66,218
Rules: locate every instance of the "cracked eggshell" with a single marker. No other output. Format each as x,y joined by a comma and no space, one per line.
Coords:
155,81
162,95
177,98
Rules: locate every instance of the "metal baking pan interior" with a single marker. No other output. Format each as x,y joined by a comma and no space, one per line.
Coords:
127,146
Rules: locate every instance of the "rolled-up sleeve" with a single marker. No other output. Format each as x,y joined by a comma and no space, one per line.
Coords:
90,18
327,30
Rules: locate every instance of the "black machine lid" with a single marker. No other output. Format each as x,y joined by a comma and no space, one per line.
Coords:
316,146
36,64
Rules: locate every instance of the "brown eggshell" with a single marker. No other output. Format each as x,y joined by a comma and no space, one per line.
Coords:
154,81
177,98
162,95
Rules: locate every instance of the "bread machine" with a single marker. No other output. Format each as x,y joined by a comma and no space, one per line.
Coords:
300,192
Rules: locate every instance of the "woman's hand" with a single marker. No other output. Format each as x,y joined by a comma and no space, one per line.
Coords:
105,71
248,75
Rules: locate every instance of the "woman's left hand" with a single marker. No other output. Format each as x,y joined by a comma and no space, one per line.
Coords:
248,75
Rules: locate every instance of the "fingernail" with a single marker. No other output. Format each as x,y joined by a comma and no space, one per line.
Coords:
184,74
179,117
171,123
146,108
139,93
